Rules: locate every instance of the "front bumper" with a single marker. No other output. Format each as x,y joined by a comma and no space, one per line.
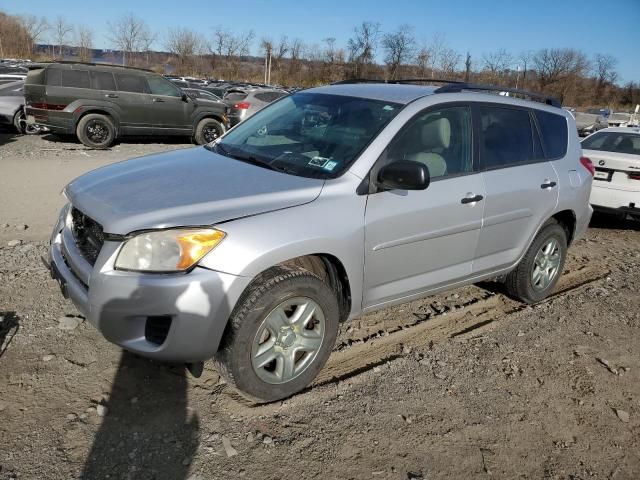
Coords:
168,317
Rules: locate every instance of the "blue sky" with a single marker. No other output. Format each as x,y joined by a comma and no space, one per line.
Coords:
594,26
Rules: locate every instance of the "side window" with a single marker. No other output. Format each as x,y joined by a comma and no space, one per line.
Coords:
555,136
53,77
160,86
131,83
102,81
263,97
75,78
441,139
507,137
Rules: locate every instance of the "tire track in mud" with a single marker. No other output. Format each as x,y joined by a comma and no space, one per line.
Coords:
461,313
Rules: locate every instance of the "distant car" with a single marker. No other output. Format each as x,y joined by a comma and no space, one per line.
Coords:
588,123
621,119
203,94
244,103
615,153
12,107
99,103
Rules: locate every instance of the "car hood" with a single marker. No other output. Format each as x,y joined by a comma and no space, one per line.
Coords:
187,187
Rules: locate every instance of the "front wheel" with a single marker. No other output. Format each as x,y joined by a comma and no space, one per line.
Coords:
280,334
539,270
208,130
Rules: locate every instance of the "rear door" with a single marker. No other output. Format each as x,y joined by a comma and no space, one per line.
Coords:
171,114
418,240
521,185
136,109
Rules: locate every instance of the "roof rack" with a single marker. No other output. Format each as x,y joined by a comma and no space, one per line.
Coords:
400,81
72,62
460,86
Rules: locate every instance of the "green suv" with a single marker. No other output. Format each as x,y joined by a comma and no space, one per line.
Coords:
99,103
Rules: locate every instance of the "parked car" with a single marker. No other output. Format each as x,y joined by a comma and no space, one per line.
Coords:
615,153
327,204
100,103
588,123
12,107
621,119
245,102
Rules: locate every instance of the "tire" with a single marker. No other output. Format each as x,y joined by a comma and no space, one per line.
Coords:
208,130
96,131
20,124
520,283
249,325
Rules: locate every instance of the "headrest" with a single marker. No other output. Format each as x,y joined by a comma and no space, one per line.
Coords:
437,134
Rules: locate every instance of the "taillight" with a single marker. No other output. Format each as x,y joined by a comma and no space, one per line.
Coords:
242,105
634,176
586,163
47,106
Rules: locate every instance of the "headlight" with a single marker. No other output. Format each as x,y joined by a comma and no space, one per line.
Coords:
167,250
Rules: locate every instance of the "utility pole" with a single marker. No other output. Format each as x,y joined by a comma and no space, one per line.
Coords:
267,65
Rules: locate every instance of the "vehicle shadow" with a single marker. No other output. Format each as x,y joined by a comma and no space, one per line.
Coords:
168,140
147,432
9,326
7,135
612,222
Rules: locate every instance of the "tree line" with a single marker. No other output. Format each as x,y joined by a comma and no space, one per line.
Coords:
370,52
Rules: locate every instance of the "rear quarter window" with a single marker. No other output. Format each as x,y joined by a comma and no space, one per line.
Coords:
75,78
53,77
554,133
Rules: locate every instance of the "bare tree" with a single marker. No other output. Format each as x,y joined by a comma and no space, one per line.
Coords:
497,63
84,42
525,58
185,44
467,67
423,58
436,46
147,39
126,34
362,47
399,48
61,30
604,69
448,61
35,27
558,69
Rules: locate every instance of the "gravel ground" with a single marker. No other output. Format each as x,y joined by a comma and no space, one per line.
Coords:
468,384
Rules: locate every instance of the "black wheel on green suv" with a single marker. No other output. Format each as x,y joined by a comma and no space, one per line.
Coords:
96,131
539,270
280,334
208,130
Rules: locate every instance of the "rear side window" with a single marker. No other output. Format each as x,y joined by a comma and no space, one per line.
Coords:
553,129
75,78
507,137
131,83
53,77
102,81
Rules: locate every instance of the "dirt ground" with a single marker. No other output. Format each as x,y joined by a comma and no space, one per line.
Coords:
468,384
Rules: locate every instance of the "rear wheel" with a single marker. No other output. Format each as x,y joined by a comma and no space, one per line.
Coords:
280,334
208,130
96,131
539,270
21,125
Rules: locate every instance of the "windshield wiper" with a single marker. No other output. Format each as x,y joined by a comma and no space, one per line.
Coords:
246,158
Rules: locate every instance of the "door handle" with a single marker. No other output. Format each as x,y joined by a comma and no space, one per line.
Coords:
158,100
470,199
111,95
548,184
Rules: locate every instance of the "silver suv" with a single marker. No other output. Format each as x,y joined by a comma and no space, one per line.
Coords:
328,204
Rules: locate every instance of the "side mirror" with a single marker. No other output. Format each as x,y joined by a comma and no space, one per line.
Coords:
185,97
404,175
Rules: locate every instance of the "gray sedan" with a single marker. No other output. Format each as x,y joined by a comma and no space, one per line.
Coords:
12,107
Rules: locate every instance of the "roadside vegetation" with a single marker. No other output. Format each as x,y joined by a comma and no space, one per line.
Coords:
371,52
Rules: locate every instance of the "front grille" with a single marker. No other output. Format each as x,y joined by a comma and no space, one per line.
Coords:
88,235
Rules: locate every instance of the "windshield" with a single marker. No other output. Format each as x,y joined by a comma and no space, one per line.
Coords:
308,134
617,142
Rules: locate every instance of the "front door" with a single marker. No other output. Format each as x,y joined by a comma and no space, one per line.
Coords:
419,240
171,114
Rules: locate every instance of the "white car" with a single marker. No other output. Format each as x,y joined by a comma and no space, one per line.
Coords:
615,153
